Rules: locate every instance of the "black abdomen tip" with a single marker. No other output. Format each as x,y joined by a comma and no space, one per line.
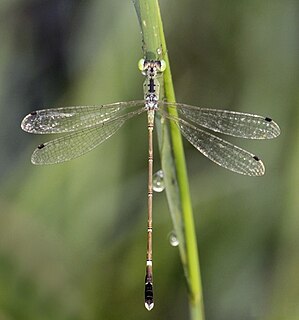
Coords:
149,296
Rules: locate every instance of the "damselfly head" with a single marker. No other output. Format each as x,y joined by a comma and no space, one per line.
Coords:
151,68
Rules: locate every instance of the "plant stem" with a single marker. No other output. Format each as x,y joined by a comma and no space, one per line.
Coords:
174,166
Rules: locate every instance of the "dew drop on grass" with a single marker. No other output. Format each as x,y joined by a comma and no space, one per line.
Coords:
173,240
158,181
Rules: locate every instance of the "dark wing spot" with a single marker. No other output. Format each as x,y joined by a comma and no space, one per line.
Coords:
268,119
256,158
33,113
41,146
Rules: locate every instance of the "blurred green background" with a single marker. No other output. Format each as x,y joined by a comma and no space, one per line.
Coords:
72,236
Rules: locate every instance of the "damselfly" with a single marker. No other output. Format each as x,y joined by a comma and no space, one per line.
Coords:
89,126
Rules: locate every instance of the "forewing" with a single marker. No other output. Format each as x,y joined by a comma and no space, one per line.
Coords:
77,143
222,152
69,119
232,123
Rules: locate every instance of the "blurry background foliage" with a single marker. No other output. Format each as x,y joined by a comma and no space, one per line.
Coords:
72,236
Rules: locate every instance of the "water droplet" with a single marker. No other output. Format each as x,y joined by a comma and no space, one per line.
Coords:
173,240
158,181
159,50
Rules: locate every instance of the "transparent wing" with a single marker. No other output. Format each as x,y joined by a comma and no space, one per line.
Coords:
69,119
232,123
78,143
222,152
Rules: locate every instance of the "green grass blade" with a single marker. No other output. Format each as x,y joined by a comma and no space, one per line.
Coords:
173,158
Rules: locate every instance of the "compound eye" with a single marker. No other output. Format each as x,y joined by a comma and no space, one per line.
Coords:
141,64
163,65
